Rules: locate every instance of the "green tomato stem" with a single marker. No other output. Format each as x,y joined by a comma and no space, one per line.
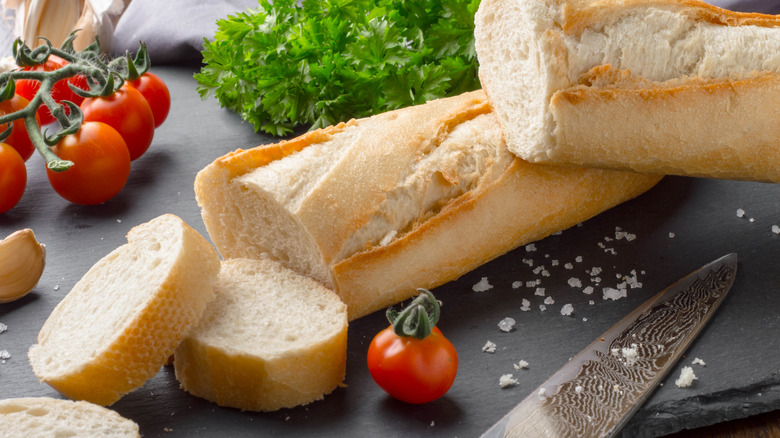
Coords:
418,319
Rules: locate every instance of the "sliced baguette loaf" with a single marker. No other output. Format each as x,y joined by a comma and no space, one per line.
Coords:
377,207
45,417
121,321
658,86
271,339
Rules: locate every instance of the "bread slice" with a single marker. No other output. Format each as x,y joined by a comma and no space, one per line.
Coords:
35,417
271,339
378,207
121,321
658,86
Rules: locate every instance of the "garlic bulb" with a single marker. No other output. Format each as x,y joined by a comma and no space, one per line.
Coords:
22,260
56,19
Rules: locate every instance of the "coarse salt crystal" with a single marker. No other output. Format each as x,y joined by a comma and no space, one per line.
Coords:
567,310
542,307
482,286
517,284
614,294
588,290
506,324
740,212
539,291
630,355
3,327
578,259
489,347
526,305
578,389
530,247
671,235
686,378
549,301
595,271
591,302
554,262
775,229
568,266
4,354
507,380
575,282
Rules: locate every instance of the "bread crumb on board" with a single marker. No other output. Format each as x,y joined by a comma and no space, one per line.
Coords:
3,327
686,378
521,365
489,347
507,380
698,361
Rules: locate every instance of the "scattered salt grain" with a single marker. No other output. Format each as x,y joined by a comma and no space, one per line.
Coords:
588,290
3,327
542,307
595,271
740,212
620,234
507,380
614,294
482,286
567,310
388,238
578,389
671,235
529,262
56,287
575,282
584,319
521,365
775,229
578,259
526,305
698,361
506,324
517,284
530,247
489,347
554,262
630,355
568,266
539,291
4,354
549,301
686,378
541,393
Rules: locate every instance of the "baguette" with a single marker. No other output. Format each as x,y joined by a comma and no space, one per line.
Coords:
45,417
378,207
656,86
121,321
271,339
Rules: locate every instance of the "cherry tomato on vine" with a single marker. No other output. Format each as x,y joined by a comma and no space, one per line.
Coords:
101,165
156,94
27,88
19,138
413,367
127,111
13,177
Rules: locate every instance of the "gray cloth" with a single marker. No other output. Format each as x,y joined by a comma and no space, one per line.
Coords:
173,30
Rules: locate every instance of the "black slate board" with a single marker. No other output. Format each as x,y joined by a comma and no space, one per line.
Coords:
739,346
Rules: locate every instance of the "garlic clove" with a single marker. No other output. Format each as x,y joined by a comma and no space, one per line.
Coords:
22,260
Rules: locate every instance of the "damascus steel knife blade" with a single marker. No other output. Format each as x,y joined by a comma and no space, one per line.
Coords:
598,390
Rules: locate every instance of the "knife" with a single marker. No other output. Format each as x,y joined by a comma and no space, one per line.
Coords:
597,391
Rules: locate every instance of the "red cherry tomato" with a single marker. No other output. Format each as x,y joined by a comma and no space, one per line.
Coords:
27,88
126,111
19,138
156,93
413,370
13,177
101,165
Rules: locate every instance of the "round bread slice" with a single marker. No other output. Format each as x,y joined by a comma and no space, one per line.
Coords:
271,339
49,417
121,321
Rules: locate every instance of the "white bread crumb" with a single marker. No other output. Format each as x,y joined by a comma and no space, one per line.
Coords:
686,378
520,365
698,361
3,327
614,294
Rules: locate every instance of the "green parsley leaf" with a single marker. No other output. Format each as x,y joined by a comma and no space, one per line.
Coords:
286,64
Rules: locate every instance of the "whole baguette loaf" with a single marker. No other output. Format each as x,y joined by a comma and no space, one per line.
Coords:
378,207
45,417
657,86
126,315
271,339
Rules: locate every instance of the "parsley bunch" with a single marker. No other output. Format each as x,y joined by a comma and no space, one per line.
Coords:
319,62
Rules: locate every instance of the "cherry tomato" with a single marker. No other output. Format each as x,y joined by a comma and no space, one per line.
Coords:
156,93
19,138
13,177
27,88
101,165
126,111
413,370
